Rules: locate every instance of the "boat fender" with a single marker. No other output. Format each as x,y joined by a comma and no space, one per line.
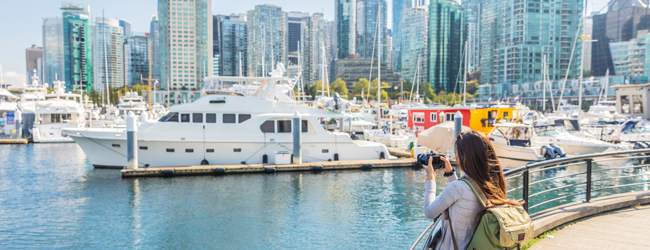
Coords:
269,170
265,159
219,170
548,152
367,165
336,157
317,168
382,155
558,150
205,162
146,165
167,172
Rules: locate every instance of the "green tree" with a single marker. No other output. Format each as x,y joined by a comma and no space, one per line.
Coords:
428,91
472,87
360,86
338,86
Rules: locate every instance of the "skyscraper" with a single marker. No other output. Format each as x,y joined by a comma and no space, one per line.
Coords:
108,61
267,40
367,35
516,38
126,27
185,48
77,46
414,27
447,35
53,61
233,45
297,36
473,11
33,61
317,50
154,38
136,53
345,22
398,9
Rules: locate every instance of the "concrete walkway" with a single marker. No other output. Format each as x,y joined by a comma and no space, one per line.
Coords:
621,229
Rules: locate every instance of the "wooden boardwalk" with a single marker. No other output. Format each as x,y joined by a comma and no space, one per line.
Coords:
266,168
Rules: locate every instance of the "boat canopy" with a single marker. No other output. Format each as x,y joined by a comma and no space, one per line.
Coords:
569,124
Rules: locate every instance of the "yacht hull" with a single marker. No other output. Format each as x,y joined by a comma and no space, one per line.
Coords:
112,152
517,153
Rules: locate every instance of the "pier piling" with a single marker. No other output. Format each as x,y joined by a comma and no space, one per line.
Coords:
297,141
132,141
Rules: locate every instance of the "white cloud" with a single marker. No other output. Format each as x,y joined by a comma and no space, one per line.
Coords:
13,78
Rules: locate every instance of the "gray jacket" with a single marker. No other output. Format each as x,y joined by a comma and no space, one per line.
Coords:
463,208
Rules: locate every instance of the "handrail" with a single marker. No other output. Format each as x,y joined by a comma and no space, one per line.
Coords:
424,233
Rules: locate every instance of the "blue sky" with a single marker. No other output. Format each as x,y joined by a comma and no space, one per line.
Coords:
21,21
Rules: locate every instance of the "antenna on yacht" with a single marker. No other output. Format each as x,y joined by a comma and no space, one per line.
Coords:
108,91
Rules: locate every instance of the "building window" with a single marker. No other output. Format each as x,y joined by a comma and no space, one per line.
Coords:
434,117
244,117
418,117
268,127
229,118
450,117
197,117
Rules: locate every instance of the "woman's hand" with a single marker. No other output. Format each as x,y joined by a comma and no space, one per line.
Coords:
447,168
431,174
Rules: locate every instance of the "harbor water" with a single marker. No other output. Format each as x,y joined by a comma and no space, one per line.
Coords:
51,197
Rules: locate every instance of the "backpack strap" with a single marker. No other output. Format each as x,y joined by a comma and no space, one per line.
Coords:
477,191
451,228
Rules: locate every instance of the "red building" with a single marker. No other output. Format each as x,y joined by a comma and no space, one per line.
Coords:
424,118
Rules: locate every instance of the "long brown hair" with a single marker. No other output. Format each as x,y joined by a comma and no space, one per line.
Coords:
477,158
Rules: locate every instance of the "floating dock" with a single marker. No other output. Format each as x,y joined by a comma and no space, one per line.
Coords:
13,141
266,168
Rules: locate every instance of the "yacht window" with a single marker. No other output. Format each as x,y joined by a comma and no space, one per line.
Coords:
237,150
209,150
434,117
185,117
326,151
197,118
116,145
244,117
497,132
268,127
170,150
211,118
173,117
189,150
284,126
144,148
229,118
305,126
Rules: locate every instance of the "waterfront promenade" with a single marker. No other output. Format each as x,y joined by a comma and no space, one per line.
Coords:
620,229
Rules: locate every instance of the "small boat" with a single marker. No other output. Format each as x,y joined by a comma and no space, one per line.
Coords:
515,142
59,110
572,144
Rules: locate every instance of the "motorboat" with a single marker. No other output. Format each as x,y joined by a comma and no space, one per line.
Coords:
356,124
571,144
8,106
630,131
514,141
57,111
232,123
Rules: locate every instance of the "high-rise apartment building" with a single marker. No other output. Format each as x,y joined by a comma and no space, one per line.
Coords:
267,40
108,52
297,35
136,58
619,24
517,37
77,46
473,12
398,9
317,50
345,26
34,61
232,46
414,27
367,33
53,61
126,28
447,35
155,49
185,48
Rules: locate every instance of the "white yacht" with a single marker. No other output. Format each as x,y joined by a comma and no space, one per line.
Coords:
515,142
7,106
238,120
57,111
630,131
131,101
570,143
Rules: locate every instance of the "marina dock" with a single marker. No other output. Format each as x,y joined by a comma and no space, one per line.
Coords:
13,141
266,168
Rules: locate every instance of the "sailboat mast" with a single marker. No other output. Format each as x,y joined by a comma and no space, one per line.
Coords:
108,90
465,74
379,63
544,84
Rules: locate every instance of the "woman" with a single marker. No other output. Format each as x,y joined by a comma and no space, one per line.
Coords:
477,159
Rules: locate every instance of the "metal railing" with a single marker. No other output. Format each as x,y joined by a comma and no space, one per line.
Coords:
524,173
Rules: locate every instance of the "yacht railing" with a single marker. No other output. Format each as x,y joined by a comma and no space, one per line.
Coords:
631,165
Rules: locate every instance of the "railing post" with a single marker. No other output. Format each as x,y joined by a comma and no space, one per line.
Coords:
525,190
588,191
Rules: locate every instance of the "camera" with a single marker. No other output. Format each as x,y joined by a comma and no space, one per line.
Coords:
437,163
